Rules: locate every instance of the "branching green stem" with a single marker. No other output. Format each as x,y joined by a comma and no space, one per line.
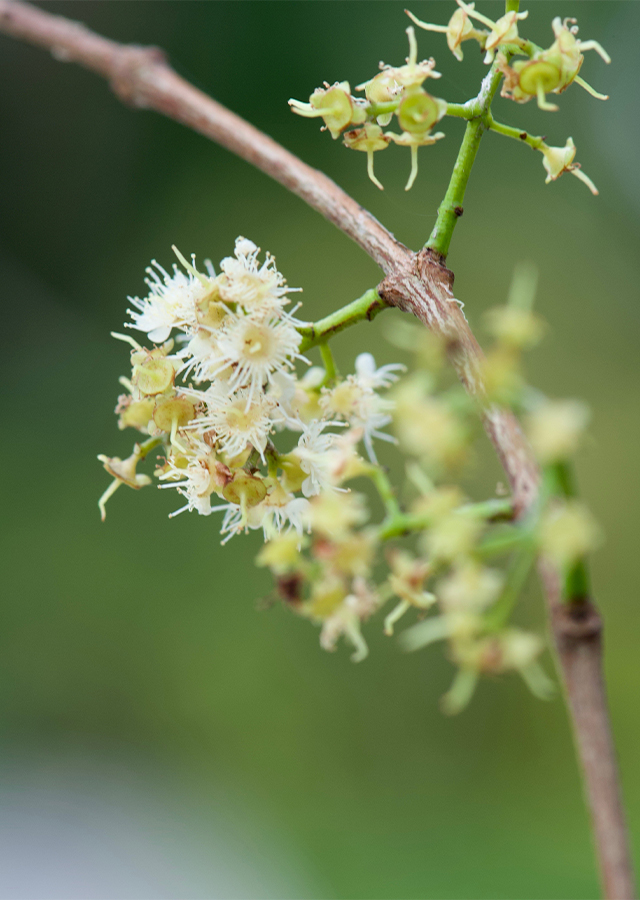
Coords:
516,133
366,307
459,110
478,112
401,524
147,446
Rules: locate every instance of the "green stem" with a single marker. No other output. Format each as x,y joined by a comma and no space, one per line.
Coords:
459,110
329,363
381,109
516,133
366,307
519,570
451,207
560,481
406,523
386,491
147,446
477,111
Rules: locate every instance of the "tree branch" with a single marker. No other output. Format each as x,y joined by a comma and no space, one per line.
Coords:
141,77
577,633
419,284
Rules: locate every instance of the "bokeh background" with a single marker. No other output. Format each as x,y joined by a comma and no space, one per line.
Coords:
162,734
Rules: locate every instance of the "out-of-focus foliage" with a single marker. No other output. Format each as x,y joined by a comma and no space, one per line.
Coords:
142,633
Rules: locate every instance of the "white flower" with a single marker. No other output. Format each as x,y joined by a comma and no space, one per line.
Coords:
372,377
200,356
191,476
253,286
256,349
236,422
278,509
316,459
171,302
346,620
355,401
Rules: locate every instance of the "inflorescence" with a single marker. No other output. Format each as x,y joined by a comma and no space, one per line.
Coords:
241,429
398,91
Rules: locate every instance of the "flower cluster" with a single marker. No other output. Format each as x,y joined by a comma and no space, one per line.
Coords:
235,356
393,91
240,432
398,91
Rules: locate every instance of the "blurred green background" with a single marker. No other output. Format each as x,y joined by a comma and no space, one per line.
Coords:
161,735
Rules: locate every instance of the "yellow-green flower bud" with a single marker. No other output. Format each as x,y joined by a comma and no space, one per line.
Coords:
514,327
135,414
293,474
244,489
419,111
367,139
334,105
557,160
555,429
154,376
282,553
173,412
459,29
568,532
123,471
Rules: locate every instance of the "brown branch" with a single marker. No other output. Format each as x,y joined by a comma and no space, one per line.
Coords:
419,284
141,77
577,634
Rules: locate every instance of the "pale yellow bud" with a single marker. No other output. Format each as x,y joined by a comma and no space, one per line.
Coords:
568,531
515,327
134,413
282,553
555,429
154,376
470,588
452,537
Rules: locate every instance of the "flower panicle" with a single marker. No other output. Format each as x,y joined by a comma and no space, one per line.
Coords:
240,433
398,91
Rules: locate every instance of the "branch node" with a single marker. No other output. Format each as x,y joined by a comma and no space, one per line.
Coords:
127,81
576,623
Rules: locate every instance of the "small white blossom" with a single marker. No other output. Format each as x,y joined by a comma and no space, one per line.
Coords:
254,286
171,302
236,422
256,349
373,377
314,452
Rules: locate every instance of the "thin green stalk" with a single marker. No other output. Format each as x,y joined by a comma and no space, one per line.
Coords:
451,207
366,307
405,523
385,490
519,570
147,446
329,363
561,481
459,110
516,133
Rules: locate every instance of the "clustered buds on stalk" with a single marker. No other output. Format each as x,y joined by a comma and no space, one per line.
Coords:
241,432
394,91
398,91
